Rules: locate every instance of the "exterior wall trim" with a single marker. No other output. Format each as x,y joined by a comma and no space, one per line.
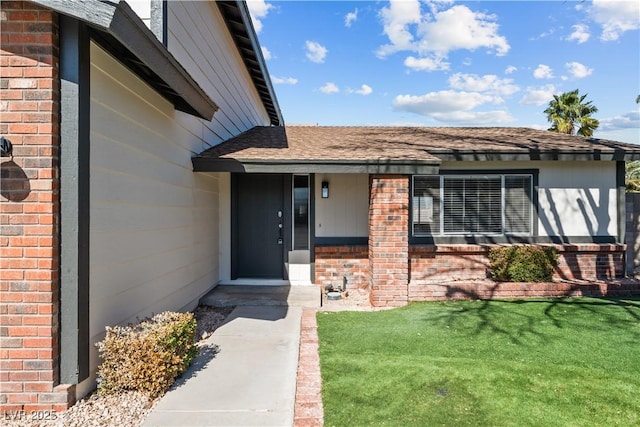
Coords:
74,200
341,241
621,201
159,20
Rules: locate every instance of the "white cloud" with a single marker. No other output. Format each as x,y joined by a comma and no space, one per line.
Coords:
258,9
615,17
444,101
489,83
475,117
316,52
578,70
266,53
350,18
426,64
329,87
364,90
543,72
538,95
510,69
396,20
434,35
284,80
580,33
630,120
461,28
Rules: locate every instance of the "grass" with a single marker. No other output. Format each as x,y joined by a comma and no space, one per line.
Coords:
551,362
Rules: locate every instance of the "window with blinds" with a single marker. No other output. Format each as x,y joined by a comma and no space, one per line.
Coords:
491,204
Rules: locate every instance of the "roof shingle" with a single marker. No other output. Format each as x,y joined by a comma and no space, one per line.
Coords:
428,145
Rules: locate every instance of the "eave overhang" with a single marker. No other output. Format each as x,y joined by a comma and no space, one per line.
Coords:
373,166
117,28
238,20
541,155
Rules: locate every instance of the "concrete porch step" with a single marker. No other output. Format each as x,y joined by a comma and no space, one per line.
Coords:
256,295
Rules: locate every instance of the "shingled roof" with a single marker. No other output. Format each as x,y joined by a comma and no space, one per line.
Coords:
296,149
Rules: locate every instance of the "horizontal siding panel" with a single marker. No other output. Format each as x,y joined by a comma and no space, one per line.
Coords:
112,82
153,221
124,274
198,38
123,305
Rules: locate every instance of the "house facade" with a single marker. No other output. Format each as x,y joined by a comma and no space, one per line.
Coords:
102,219
150,163
411,213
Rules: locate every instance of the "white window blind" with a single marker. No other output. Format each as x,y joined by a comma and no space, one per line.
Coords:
492,204
517,204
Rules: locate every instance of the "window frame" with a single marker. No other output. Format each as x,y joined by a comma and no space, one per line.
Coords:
470,237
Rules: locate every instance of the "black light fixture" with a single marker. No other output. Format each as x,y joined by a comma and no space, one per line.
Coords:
6,148
325,189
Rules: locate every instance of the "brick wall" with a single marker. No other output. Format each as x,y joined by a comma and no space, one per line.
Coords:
448,262
590,262
334,263
467,262
29,209
488,289
460,271
389,239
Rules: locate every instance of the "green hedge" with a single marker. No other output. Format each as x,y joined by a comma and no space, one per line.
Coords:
149,356
523,263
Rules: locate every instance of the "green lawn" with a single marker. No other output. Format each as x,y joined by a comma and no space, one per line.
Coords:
551,362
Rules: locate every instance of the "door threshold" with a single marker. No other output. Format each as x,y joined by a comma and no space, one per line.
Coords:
255,282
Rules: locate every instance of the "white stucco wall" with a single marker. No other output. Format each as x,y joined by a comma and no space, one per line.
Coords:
346,212
575,198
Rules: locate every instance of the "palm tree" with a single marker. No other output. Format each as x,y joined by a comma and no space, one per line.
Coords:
569,111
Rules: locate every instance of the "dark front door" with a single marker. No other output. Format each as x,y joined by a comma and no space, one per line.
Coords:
258,226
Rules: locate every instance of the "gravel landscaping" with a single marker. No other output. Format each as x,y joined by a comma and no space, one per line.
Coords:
124,409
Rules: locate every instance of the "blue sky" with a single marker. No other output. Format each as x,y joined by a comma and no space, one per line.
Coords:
445,63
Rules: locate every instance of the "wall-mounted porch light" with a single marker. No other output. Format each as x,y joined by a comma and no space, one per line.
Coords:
6,148
325,189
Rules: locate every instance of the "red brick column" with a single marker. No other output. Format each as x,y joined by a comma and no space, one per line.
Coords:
29,210
389,239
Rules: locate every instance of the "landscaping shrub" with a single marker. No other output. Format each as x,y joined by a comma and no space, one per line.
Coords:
523,263
149,356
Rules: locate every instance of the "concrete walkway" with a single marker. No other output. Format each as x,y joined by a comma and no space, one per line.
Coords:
246,376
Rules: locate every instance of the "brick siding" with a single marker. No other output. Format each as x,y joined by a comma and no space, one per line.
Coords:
389,239
335,263
467,262
590,262
29,211
448,262
446,271
490,290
